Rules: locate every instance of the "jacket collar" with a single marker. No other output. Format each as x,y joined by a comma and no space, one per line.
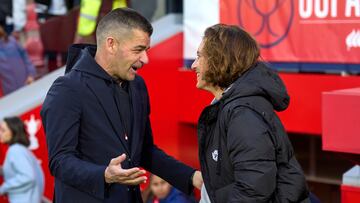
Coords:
81,58
261,81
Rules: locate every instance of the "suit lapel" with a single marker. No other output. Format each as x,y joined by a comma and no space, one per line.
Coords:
104,95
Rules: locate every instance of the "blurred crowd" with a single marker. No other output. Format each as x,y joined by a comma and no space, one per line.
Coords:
35,34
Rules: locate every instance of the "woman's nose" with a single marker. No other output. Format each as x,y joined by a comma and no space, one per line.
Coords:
193,65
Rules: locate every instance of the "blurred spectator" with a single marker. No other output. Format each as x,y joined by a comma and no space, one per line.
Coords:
13,16
33,44
5,15
46,9
16,69
50,14
91,11
19,17
23,177
162,192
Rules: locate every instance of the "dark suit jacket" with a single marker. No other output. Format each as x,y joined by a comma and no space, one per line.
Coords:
84,132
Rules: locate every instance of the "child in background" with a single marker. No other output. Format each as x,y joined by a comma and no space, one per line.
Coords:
163,192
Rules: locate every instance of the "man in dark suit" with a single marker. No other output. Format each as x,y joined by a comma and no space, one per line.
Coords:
96,119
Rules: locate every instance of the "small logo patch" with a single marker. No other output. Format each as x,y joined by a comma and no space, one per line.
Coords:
215,155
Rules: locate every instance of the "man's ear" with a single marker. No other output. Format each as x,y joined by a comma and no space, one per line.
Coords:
111,45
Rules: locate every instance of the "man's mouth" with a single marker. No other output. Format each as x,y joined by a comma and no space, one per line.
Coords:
134,68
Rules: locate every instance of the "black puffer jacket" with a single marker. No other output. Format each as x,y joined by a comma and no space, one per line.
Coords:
244,151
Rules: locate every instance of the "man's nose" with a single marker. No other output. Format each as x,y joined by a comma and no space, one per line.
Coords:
144,58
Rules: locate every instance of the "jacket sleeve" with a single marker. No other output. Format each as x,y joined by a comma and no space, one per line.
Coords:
158,162
252,154
24,178
61,115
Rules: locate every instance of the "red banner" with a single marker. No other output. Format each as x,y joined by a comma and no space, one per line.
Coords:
324,31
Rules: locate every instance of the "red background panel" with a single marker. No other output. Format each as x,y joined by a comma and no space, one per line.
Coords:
350,194
305,90
341,121
160,76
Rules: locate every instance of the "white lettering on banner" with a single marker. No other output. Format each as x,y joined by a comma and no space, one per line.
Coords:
320,8
353,40
327,8
33,125
305,13
333,8
352,5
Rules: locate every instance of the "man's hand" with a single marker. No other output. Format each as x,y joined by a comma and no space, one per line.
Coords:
114,173
197,180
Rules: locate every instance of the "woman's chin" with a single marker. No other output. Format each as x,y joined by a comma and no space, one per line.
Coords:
202,86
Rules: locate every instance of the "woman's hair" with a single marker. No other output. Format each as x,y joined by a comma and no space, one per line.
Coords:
17,128
229,52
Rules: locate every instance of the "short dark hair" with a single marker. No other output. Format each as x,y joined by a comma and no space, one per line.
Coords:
229,52
122,19
17,128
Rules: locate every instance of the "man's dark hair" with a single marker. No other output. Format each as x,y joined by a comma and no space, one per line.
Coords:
18,131
119,21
